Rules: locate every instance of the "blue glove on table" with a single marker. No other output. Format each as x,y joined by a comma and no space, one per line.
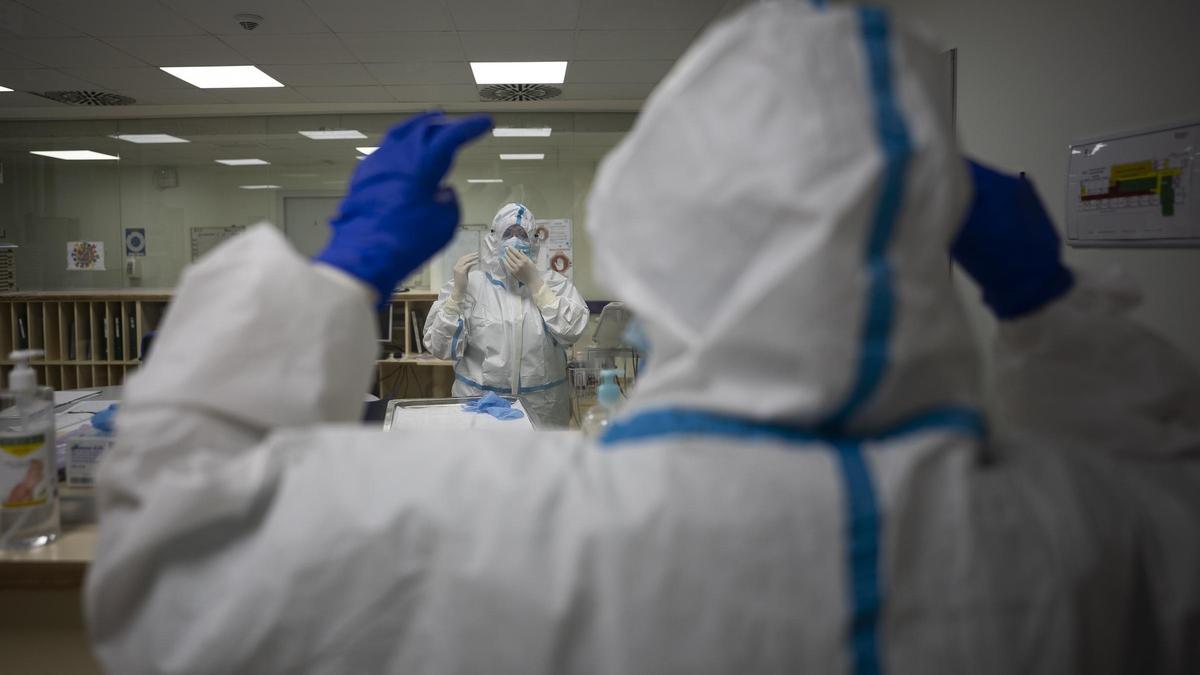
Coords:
492,404
396,214
1009,246
103,420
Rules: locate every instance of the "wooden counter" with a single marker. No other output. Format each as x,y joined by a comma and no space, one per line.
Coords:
60,565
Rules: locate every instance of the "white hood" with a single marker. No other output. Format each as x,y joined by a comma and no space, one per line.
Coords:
779,219
508,216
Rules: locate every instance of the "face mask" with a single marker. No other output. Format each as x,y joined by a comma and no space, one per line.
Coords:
522,246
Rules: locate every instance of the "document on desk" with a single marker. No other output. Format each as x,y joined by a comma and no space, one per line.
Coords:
91,406
65,397
452,416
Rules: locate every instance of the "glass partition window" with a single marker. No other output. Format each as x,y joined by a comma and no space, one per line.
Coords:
165,190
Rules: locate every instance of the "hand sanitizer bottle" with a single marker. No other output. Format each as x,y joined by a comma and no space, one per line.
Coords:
29,514
608,395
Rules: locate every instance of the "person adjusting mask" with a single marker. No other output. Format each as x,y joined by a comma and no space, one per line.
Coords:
803,480
507,324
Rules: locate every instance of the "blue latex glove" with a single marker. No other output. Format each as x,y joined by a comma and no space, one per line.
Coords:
492,404
396,214
103,420
1009,246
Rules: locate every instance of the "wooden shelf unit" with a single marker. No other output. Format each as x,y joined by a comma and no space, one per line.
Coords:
93,338
90,338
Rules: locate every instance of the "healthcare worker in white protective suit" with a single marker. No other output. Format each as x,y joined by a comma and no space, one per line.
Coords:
803,480
506,324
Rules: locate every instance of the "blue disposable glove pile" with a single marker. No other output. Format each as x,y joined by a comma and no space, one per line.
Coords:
396,214
1009,247
492,404
103,420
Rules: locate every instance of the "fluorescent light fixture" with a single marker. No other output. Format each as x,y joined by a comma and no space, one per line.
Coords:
259,187
515,132
72,154
485,180
223,77
150,138
519,72
3,89
333,135
526,155
243,162
366,150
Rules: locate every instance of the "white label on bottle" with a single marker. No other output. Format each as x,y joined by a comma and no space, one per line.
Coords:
26,478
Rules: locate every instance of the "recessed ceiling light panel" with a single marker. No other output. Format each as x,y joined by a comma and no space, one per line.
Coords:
150,138
259,187
522,155
333,134
73,155
223,77
366,150
519,72
515,132
242,162
485,180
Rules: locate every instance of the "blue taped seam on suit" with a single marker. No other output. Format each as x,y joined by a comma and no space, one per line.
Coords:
508,390
897,148
494,280
454,340
654,424
863,527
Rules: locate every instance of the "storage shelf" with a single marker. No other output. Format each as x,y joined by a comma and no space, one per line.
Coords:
412,361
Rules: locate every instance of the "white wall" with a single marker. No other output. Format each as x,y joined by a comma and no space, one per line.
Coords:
1034,75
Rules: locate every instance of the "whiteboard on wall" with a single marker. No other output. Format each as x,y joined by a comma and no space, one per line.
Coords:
205,239
1135,189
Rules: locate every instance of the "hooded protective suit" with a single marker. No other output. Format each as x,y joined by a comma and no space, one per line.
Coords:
802,481
500,323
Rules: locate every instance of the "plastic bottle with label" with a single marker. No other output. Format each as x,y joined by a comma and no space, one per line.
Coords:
608,395
29,508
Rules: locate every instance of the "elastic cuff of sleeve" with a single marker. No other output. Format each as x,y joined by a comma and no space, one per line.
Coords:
452,306
544,296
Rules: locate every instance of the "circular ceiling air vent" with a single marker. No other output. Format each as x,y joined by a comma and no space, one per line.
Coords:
519,92
88,98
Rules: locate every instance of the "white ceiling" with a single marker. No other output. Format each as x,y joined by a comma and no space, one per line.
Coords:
336,55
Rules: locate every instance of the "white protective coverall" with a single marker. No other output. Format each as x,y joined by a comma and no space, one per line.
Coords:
500,323
795,485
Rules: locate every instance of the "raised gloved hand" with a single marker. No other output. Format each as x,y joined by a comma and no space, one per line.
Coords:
521,268
396,215
462,269
1008,245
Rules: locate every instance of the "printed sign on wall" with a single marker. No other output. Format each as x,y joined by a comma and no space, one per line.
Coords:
85,256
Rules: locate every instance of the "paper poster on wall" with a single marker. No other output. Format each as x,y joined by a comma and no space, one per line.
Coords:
135,241
85,256
1135,189
555,251
205,239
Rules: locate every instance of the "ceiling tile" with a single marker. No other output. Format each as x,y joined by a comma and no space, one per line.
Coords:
19,99
604,45
595,92
42,79
180,51
268,95
127,17
373,16
8,60
20,21
129,78
432,93
607,72
321,74
415,46
417,72
191,96
267,49
528,45
647,14
279,16
344,94
72,51
514,14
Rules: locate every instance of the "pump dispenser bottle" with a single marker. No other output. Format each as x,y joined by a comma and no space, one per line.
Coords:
29,514
608,395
